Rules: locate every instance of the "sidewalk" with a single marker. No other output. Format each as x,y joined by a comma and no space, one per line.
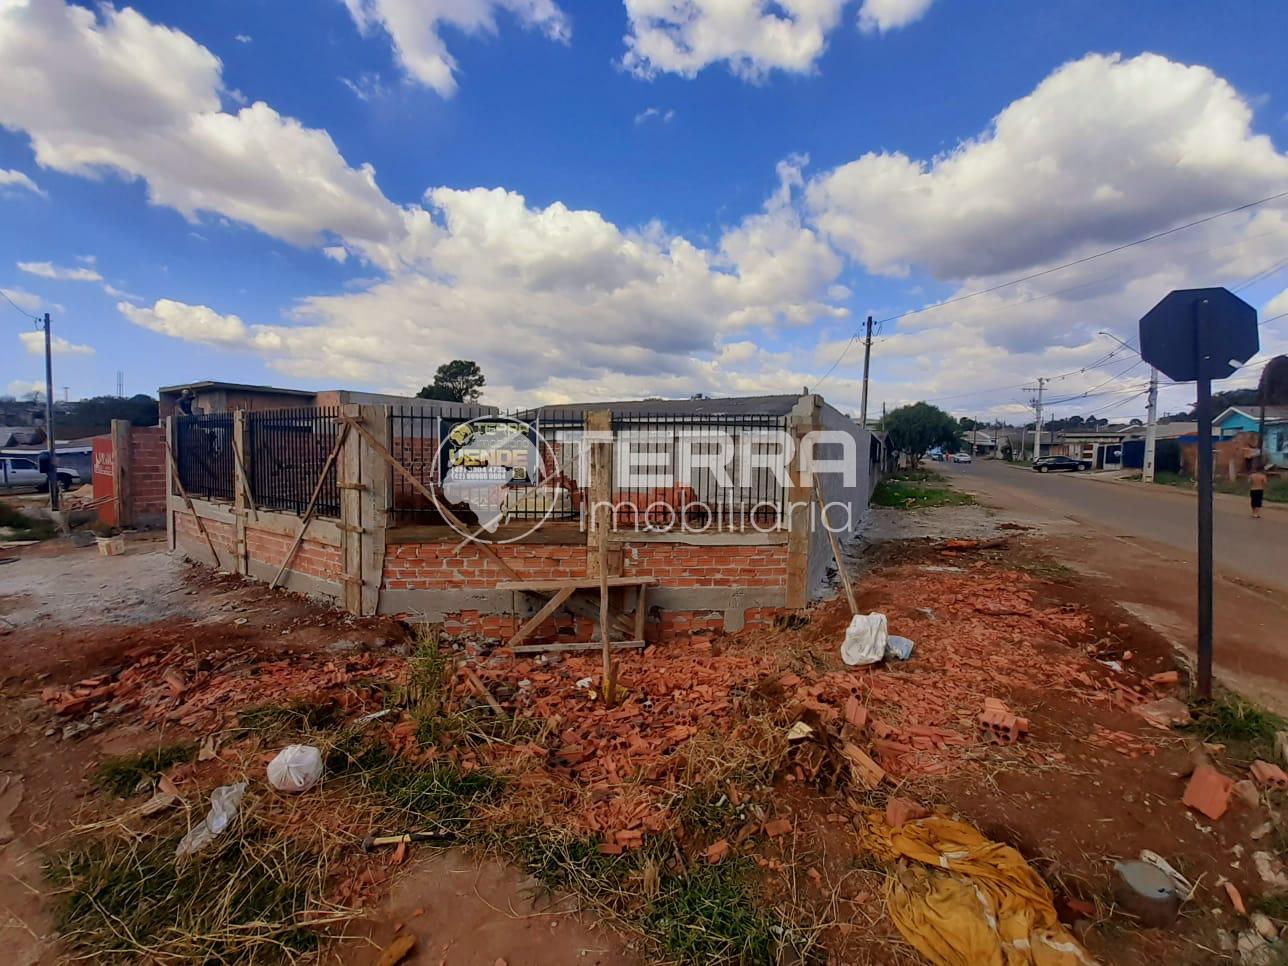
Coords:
1114,476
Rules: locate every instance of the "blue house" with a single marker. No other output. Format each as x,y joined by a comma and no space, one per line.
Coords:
1247,419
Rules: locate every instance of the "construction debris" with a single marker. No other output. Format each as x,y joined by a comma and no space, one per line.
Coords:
224,802
1208,792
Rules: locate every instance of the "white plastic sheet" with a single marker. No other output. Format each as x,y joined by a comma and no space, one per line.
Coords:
865,640
296,768
224,802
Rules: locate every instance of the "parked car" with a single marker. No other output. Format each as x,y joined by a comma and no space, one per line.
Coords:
1058,464
961,457
17,472
937,456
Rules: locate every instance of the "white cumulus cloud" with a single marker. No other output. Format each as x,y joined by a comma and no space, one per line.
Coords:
16,180
753,37
883,15
59,272
114,92
34,343
414,28
1103,151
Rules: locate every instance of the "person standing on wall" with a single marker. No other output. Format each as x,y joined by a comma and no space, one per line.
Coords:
1257,481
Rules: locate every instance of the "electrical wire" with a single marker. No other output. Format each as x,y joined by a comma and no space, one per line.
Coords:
1057,268
19,308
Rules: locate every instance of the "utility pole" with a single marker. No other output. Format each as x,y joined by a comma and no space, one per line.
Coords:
1151,429
120,383
52,473
867,359
1037,428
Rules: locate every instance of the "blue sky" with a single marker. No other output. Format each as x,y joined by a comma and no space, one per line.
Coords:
632,198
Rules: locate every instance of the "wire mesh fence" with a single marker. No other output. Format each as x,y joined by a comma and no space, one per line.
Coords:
286,450
203,455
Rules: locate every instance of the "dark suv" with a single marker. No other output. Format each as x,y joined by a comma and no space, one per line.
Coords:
1055,464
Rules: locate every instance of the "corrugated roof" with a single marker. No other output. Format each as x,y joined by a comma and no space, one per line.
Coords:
1274,413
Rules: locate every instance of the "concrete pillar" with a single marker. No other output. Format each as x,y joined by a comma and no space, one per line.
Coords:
374,478
802,420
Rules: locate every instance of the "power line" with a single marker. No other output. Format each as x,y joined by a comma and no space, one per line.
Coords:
1053,270
1088,258
18,308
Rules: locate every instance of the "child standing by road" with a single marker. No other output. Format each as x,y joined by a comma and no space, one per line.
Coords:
1257,481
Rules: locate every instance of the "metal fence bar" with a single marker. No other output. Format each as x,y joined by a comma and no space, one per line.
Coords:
287,450
204,455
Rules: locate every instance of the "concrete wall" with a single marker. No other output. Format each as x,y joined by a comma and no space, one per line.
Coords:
846,504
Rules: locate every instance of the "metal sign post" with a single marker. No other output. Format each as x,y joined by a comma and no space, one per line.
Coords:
1199,335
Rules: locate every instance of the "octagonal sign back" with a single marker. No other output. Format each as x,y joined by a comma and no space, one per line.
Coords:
1168,330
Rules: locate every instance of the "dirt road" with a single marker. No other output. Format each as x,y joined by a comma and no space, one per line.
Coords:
1139,544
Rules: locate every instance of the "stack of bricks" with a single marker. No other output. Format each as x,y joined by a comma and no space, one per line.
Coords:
999,725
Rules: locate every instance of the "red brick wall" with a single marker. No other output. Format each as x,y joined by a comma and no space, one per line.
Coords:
316,559
147,472
432,566
103,480
222,536
683,565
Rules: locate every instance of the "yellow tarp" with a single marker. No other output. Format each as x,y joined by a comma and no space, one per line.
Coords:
970,901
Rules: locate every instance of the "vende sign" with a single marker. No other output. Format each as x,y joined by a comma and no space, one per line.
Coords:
104,479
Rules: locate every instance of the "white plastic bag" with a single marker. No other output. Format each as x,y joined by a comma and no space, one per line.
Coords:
224,801
865,640
296,768
899,647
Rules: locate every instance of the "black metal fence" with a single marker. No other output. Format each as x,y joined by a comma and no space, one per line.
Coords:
427,442
726,470
285,452
203,455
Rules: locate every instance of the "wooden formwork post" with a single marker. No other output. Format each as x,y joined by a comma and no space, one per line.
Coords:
352,527
172,538
242,499
120,477
599,489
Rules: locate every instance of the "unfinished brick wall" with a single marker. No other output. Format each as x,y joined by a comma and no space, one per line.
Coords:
667,627
683,565
147,474
142,472
222,536
314,558
434,566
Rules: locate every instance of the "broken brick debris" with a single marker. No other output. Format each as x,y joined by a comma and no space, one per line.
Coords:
1269,775
1000,725
900,811
1208,792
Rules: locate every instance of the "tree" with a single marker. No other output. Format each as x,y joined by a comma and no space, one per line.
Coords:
916,429
966,423
457,381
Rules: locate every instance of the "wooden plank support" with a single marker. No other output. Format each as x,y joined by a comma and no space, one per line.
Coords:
353,486
537,619
641,611
836,549
174,474
312,504
350,528
584,646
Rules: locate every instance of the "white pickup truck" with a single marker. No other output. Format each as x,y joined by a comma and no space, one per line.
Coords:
21,472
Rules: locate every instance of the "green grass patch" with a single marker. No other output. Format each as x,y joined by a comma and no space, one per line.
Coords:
913,495
23,527
1247,730
124,773
699,914
1276,490
438,794
242,899
300,717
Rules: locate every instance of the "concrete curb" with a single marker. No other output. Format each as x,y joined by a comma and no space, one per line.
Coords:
1230,498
